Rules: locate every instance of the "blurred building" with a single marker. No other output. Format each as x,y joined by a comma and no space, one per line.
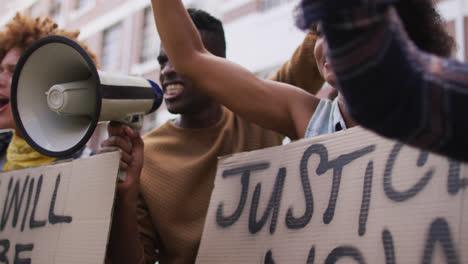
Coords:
260,33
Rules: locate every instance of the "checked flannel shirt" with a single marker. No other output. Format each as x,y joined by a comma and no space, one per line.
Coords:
390,86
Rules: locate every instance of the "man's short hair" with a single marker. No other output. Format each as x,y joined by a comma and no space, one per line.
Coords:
207,24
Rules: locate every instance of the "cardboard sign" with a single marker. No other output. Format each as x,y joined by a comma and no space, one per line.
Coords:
350,197
58,213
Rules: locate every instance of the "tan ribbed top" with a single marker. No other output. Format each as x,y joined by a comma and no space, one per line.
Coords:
178,178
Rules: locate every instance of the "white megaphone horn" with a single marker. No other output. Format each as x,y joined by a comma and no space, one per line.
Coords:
58,96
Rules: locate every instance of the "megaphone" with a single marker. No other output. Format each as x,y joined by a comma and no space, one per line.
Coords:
58,96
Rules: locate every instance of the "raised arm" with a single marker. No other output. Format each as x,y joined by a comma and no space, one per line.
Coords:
390,85
277,106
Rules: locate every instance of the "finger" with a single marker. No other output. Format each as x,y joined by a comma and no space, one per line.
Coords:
115,129
136,141
123,166
120,142
125,157
134,137
129,132
107,149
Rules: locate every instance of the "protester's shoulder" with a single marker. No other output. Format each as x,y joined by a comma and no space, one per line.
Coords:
158,132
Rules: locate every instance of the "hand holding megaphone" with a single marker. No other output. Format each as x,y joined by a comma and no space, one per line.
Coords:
58,96
130,145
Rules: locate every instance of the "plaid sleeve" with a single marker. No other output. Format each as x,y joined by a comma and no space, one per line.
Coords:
395,89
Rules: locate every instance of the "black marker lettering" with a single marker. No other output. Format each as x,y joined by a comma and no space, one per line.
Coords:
293,222
395,195
31,188
337,166
18,201
224,221
388,247
311,257
53,218
5,205
366,198
422,159
324,165
440,231
32,222
5,244
273,205
455,184
342,252
269,258
21,248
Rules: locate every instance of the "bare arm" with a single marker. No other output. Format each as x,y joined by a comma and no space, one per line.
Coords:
277,106
391,86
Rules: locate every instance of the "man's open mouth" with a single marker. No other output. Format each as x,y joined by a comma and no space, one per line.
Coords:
173,90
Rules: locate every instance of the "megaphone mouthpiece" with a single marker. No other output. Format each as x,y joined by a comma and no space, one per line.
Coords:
73,98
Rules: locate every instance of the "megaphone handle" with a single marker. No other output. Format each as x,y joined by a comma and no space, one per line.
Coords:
121,175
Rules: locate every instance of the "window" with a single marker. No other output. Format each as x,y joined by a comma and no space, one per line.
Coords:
55,8
80,4
110,59
35,10
268,4
150,41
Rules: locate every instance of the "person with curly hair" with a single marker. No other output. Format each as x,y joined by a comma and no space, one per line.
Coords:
18,34
277,106
395,87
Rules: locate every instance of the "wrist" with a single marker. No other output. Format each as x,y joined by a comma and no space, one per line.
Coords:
126,197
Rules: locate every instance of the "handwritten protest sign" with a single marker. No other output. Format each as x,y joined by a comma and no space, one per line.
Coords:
58,213
350,197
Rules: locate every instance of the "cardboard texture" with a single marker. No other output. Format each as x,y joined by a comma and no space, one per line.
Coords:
349,197
58,213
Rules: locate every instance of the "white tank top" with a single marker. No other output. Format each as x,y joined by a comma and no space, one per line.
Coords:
326,119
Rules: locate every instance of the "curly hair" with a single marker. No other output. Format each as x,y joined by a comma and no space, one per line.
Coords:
424,26
23,30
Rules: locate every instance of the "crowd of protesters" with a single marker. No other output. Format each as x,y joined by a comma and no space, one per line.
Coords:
381,64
